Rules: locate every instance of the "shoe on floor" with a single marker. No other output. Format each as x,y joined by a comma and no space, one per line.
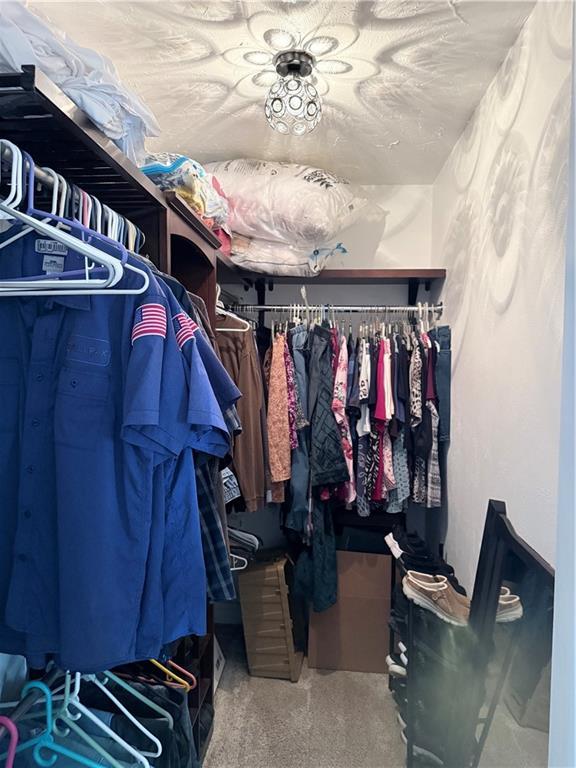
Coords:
432,566
422,751
438,578
429,579
439,598
401,721
395,665
509,609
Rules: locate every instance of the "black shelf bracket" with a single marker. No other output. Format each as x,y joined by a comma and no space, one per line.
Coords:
413,285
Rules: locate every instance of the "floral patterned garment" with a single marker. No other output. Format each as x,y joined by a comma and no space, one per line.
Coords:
278,421
292,397
362,500
415,375
419,490
401,475
389,478
339,409
434,484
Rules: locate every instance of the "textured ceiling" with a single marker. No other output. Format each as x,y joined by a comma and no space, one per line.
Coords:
399,78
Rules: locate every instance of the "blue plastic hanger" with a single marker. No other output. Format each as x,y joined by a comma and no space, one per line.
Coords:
45,742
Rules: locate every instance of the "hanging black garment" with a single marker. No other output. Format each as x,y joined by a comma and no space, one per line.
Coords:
327,462
316,572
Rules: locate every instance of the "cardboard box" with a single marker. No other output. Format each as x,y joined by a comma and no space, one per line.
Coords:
353,635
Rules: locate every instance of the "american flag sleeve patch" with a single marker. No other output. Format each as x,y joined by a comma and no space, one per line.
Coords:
150,320
184,327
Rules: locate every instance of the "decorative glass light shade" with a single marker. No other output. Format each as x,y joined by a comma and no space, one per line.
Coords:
293,106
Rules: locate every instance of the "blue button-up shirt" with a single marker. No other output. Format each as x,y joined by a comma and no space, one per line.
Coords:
94,398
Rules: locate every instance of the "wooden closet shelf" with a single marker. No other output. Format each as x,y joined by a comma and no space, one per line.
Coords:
228,274
37,116
413,278
181,207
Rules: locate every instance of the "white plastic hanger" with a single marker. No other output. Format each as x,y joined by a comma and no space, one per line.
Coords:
131,235
89,204
98,214
238,563
82,247
221,311
108,676
53,210
304,295
140,697
62,202
106,691
72,287
73,700
16,190
65,721
71,725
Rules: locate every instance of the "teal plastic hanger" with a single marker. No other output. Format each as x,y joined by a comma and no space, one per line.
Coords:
64,722
45,742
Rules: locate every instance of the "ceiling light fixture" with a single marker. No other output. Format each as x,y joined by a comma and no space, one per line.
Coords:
293,105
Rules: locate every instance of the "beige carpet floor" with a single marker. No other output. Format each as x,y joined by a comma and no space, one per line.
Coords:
326,720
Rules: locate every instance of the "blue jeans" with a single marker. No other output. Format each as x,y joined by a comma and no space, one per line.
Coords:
443,377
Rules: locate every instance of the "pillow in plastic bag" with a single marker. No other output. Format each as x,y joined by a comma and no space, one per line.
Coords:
184,175
293,204
272,258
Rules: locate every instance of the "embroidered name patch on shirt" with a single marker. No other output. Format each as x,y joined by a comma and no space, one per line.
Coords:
150,320
85,349
185,328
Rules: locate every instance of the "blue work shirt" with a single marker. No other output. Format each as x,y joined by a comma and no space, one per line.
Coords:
94,398
184,585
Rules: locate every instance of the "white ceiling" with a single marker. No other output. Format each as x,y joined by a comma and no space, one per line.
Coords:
399,78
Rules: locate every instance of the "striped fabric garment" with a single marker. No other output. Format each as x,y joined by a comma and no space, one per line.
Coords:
185,328
150,320
434,479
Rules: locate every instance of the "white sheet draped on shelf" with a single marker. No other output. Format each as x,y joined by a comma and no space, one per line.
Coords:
87,78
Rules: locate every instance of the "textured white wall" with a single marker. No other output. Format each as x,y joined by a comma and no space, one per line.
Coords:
499,208
398,238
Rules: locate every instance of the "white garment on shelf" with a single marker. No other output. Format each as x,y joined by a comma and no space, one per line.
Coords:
87,78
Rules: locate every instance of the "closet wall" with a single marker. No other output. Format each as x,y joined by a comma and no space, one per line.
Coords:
499,207
398,239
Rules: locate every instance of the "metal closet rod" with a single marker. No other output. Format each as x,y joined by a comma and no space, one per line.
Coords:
44,178
438,308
